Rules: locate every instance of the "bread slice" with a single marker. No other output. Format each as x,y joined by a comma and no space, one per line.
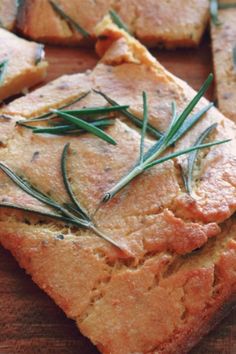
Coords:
161,22
223,44
164,294
8,12
24,64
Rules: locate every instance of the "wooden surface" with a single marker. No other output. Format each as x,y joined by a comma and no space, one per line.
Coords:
29,320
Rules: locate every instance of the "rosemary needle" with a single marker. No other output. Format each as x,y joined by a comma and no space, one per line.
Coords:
65,129
117,20
188,179
234,57
214,12
173,134
82,212
3,69
68,19
39,54
74,215
135,120
86,126
50,115
144,128
215,6
95,110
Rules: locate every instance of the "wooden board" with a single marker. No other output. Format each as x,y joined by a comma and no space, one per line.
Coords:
29,320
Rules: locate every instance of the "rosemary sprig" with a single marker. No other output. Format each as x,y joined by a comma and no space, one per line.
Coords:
96,110
81,211
68,19
70,129
76,124
81,124
73,214
172,135
117,20
135,120
50,115
3,69
188,178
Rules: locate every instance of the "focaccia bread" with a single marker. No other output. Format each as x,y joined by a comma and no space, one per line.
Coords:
8,12
169,23
224,46
23,64
179,266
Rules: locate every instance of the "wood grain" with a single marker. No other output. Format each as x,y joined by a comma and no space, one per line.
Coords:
30,322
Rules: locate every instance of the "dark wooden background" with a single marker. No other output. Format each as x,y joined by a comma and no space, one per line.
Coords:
30,322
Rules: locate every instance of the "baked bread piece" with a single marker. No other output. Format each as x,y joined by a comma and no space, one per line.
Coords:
223,44
181,265
24,64
8,12
161,22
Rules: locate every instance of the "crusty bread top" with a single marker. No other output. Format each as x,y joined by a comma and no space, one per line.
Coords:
8,12
223,42
25,63
170,23
127,69
162,299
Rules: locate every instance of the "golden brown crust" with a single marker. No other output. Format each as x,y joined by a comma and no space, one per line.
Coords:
160,22
176,299
223,43
25,67
8,13
182,251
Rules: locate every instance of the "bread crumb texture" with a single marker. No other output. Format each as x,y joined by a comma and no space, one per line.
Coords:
223,44
163,22
182,267
25,64
8,13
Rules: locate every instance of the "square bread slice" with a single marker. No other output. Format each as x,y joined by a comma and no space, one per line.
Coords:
177,269
22,64
8,12
164,22
223,46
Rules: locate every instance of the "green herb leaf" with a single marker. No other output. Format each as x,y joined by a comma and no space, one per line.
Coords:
64,213
95,110
26,187
3,69
234,57
39,54
175,131
86,126
37,212
193,155
135,120
190,122
68,19
214,12
144,128
50,115
68,129
68,187
117,20
184,152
